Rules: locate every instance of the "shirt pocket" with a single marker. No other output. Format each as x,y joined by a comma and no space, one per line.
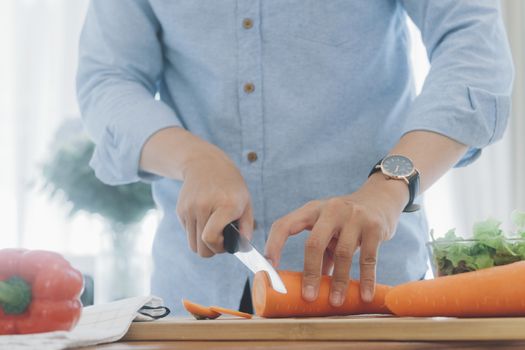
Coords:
323,22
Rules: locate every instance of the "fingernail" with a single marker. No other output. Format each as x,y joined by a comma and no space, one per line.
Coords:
309,293
367,295
335,298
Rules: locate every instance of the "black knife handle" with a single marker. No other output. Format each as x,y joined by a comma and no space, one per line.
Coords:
231,238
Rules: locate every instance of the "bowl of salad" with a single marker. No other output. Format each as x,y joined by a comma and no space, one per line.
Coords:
488,246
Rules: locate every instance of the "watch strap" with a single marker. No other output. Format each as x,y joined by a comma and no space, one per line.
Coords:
376,168
413,188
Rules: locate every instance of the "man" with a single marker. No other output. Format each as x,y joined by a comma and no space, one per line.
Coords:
286,115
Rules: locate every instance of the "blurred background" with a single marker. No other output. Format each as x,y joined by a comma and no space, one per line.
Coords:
51,201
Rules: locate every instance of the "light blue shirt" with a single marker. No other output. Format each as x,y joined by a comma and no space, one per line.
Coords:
333,93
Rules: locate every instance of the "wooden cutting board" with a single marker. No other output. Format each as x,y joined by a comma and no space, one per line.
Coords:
331,328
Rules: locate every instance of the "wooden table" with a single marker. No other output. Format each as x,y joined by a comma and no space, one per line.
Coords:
357,332
307,345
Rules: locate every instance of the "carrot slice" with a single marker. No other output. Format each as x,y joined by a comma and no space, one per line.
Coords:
270,303
223,310
200,312
495,291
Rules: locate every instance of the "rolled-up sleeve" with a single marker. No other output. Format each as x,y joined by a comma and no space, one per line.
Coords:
120,66
466,95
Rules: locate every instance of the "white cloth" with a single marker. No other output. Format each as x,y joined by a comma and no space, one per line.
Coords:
98,324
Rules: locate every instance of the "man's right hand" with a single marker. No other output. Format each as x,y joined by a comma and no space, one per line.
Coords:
213,193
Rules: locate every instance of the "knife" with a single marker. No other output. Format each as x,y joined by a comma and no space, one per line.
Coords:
238,245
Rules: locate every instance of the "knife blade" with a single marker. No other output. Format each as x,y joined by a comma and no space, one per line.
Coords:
243,249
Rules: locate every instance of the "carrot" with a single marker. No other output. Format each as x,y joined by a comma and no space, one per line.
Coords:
223,310
495,291
270,303
198,311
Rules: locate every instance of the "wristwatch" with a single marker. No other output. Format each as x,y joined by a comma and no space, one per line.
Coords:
399,167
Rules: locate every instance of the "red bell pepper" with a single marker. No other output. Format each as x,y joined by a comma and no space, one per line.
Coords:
39,292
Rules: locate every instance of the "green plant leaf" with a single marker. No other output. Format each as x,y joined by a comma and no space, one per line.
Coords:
451,235
68,173
452,254
518,219
482,261
519,249
459,252
487,229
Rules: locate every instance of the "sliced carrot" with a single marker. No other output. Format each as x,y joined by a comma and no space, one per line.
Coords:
495,291
270,303
223,310
200,312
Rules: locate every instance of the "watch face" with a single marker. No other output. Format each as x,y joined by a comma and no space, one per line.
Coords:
398,166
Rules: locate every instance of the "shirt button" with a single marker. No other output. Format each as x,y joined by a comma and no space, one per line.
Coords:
247,23
252,157
249,88
254,225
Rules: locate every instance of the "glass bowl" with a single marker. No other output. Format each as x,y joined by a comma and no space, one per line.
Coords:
450,257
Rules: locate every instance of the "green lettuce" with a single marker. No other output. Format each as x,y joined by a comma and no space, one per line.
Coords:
489,247
518,219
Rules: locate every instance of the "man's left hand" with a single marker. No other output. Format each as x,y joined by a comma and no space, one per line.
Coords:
339,226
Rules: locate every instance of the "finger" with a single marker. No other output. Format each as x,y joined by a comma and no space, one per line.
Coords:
298,220
202,217
368,262
328,257
180,215
324,229
191,234
202,247
343,253
246,222
328,263
203,250
212,234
